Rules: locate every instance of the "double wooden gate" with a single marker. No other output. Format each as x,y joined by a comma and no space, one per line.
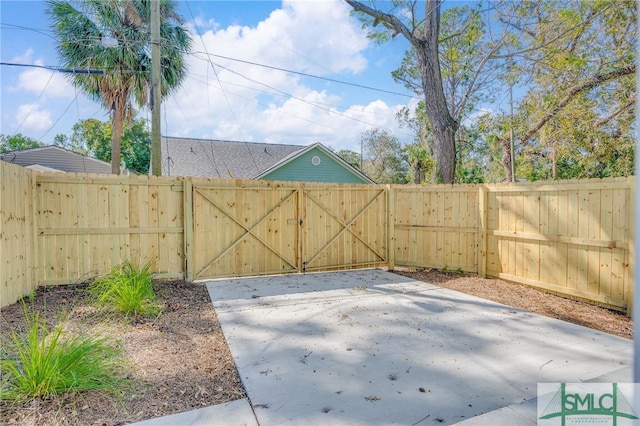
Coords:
271,228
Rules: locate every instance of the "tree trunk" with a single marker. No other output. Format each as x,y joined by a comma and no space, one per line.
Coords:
444,151
418,172
506,159
443,125
116,137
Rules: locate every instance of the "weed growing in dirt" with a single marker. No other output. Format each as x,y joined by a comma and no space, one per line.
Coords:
127,289
41,362
448,271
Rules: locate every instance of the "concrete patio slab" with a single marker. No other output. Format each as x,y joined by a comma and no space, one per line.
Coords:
372,347
234,413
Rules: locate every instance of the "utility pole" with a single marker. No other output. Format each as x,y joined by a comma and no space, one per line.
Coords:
156,95
512,147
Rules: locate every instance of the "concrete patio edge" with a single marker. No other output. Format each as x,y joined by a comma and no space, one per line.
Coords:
238,412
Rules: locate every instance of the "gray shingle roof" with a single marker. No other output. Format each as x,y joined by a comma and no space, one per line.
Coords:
58,158
221,159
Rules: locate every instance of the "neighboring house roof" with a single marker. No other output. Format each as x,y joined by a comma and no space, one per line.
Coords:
237,160
220,159
55,158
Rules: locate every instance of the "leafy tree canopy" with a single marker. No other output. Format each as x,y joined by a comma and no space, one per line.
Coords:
575,60
350,157
17,142
93,137
383,160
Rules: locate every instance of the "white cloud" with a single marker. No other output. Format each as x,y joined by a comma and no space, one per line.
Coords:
31,117
473,118
25,58
240,101
40,81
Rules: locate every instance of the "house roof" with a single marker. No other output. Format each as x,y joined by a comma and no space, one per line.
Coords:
57,158
221,159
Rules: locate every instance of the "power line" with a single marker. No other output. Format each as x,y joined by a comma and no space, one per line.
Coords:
223,91
33,105
332,80
213,66
75,99
52,68
310,75
331,111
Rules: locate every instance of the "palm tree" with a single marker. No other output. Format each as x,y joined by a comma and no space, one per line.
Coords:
81,36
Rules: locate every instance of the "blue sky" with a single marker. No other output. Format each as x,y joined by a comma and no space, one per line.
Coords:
228,100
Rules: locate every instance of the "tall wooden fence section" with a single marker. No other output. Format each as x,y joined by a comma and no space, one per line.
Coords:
436,227
242,228
85,224
18,253
572,238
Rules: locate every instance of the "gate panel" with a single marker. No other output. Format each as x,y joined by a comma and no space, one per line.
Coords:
241,231
344,228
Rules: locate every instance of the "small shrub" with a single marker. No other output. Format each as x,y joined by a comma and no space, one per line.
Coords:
127,289
40,362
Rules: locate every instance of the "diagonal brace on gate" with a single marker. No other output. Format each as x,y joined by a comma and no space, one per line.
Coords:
248,231
346,226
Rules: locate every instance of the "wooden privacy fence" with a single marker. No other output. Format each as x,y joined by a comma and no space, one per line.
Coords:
261,227
572,238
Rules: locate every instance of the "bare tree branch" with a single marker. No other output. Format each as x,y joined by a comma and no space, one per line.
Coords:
573,92
581,24
384,17
618,111
472,86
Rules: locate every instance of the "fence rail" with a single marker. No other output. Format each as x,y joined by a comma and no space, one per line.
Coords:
573,238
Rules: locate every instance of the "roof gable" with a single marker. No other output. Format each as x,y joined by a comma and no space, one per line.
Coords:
338,171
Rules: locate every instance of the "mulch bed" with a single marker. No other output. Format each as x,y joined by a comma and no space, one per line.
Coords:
179,361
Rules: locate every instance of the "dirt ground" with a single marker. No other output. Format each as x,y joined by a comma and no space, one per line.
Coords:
180,360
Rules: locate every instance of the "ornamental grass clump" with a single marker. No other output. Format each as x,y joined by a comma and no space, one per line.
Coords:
127,289
40,362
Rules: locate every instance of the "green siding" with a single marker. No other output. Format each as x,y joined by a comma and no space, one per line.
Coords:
302,169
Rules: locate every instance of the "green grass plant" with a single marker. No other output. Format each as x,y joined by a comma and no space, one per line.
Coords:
127,289
40,362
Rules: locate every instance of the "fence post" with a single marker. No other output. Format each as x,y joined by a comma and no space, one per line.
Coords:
391,238
631,219
301,218
188,263
481,252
